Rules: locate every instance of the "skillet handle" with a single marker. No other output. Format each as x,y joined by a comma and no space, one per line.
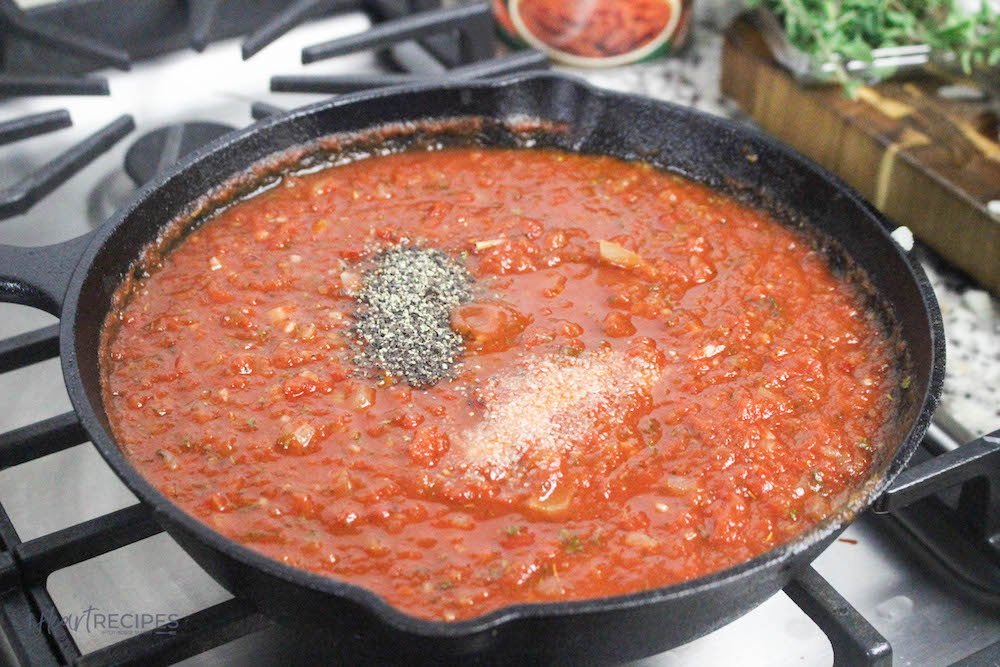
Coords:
39,276
977,459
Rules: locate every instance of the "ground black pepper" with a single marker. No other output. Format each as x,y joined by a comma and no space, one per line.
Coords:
404,322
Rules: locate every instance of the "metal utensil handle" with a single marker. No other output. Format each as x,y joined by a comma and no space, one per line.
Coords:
39,276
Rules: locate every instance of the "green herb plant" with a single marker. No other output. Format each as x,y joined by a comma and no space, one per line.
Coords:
838,31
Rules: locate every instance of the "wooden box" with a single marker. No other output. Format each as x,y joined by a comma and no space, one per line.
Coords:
929,163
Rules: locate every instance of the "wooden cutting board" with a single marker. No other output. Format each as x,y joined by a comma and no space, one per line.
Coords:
927,162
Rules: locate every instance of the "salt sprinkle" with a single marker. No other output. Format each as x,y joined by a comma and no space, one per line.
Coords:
537,413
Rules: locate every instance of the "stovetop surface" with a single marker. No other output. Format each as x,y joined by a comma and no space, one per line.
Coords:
926,622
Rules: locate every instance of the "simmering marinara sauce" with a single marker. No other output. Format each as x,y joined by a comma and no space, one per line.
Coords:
655,382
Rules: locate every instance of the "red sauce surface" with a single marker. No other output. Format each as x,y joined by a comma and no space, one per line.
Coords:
683,406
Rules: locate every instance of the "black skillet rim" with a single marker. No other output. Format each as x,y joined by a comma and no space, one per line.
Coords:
369,600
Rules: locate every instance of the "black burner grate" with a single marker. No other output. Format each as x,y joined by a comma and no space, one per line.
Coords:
949,512
348,83
33,125
294,14
120,33
24,194
469,28
23,85
15,22
17,26
95,33
28,348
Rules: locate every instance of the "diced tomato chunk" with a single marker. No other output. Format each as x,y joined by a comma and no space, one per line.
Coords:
488,327
618,324
429,444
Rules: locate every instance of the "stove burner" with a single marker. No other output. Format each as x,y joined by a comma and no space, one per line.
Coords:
155,151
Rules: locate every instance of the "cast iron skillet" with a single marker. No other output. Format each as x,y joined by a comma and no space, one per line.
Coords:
76,280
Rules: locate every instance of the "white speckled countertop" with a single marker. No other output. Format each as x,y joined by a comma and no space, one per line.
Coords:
971,315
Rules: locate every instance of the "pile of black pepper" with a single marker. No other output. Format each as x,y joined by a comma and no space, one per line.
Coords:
404,325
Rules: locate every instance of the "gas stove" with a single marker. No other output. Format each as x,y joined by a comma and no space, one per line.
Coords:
86,577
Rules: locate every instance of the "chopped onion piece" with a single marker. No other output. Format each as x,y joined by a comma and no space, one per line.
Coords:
352,282
640,540
304,434
614,253
169,459
556,503
277,315
708,351
483,245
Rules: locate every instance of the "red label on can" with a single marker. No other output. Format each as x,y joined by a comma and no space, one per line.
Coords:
596,33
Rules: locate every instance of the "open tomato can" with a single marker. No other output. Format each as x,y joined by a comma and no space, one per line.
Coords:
596,33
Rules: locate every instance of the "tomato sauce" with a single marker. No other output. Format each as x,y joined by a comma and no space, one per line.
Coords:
657,382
